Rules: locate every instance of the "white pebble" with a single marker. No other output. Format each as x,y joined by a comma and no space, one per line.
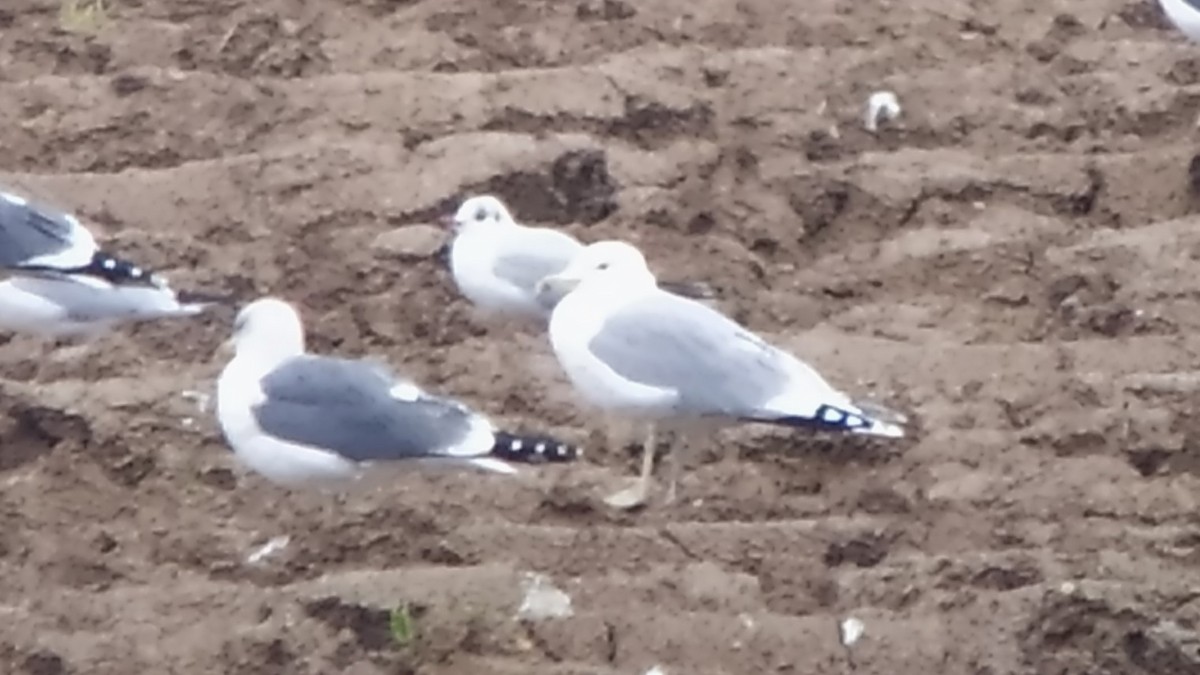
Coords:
275,545
882,106
851,630
542,599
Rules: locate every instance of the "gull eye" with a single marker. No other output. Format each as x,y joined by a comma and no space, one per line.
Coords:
602,266
481,214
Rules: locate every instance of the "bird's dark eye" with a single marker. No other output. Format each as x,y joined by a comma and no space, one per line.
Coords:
602,266
481,214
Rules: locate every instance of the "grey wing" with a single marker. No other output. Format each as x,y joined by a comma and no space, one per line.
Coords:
347,407
533,255
36,232
712,364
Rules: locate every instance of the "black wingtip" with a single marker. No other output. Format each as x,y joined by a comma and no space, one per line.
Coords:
110,268
838,419
533,449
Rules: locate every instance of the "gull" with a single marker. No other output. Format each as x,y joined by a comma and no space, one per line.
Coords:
55,281
1185,14
631,348
497,262
302,419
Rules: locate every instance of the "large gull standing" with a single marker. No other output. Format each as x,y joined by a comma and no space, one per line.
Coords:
57,282
302,419
629,347
497,262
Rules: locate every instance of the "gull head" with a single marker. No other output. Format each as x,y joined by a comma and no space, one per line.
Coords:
267,326
480,211
608,263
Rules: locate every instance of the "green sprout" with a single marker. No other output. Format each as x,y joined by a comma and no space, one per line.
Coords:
402,626
82,16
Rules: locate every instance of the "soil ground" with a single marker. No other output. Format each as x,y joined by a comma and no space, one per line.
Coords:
1014,262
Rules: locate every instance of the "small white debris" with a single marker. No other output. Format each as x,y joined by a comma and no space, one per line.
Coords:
1067,588
273,546
851,630
542,600
202,399
656,670
882,106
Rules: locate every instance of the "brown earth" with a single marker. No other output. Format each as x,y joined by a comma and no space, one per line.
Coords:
1013,263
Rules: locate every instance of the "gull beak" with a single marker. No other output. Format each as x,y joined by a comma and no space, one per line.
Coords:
556,285
447,222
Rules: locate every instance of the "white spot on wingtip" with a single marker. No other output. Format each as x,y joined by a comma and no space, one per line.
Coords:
13,199
109,263
405,391
516,446
540,448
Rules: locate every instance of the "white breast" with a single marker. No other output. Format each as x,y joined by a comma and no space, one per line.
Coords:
287,464
472,259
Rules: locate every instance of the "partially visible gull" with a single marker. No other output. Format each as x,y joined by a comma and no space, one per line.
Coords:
1185,14
497,262
56,281
301,419
630,347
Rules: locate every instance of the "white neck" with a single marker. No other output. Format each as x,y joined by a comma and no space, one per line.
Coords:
266,352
